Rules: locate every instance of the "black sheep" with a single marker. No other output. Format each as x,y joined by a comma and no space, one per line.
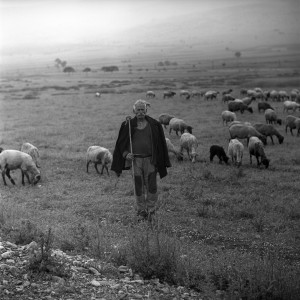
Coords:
220,152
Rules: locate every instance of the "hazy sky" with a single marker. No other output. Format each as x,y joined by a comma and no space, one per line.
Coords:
33,22
29,23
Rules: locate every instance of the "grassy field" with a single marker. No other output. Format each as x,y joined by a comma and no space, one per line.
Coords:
228,229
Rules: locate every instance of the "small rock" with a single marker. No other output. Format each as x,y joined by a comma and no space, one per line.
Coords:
7,254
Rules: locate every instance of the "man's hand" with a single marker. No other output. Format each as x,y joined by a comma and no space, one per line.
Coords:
130,156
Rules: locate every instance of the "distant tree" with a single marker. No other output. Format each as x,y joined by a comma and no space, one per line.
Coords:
57,62
60,63
238,54
68,70
87,70
110,69
63,64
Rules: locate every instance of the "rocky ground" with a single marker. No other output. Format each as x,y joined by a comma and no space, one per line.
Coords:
81,278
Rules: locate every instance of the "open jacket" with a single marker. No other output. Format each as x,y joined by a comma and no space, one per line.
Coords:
160,157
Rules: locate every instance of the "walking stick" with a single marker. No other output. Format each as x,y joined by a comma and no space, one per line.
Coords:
132,168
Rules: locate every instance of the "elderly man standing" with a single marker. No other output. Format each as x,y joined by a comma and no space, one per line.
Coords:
149,155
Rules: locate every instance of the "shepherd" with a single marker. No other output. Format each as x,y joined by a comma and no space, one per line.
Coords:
141,146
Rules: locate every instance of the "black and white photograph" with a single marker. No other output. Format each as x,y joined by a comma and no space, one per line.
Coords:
149,149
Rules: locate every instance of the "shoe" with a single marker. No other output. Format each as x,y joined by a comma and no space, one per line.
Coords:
142,216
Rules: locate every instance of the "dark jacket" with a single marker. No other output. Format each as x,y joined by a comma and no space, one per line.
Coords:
160,156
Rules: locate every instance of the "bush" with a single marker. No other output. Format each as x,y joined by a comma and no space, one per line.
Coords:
42,262
152,253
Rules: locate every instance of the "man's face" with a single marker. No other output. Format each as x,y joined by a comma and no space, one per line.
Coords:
140,111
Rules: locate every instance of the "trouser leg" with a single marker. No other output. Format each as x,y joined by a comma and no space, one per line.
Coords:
151,185
141,207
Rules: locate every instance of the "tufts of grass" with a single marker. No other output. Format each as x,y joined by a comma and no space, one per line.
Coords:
42,261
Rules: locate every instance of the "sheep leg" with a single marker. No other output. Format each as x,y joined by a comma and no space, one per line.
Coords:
3,177
211,157
95,165
7,172
106,169
27,176
102,169
257,158
272,140
250,159
291,130
87,166
188,153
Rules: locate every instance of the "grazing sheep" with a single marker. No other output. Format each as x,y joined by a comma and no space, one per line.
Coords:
258,90
15,159
32,151
269,130
263,106
196,94
185,93
243,131
283,95
164,119
256,148
290,105
251,93
293,123
98,94
220,152
179,125
274,95
172,149
210,95
99,156
226,92
248,100
271,117
228,116
235,151
150,94
227,97
169,94
189,143
243,92
266,95
239,106
294,94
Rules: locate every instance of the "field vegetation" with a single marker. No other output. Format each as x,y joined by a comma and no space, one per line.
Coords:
218,227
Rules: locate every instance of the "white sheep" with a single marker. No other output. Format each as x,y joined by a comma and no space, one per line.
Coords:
179,125
235,151
32,151
164,119
150,94
189,143
98,94
271,117
15,159
256,148
99,156
185,93
172,149
210,95
228,116
290,105
293,123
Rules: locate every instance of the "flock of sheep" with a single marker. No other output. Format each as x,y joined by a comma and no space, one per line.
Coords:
255,134
27,159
